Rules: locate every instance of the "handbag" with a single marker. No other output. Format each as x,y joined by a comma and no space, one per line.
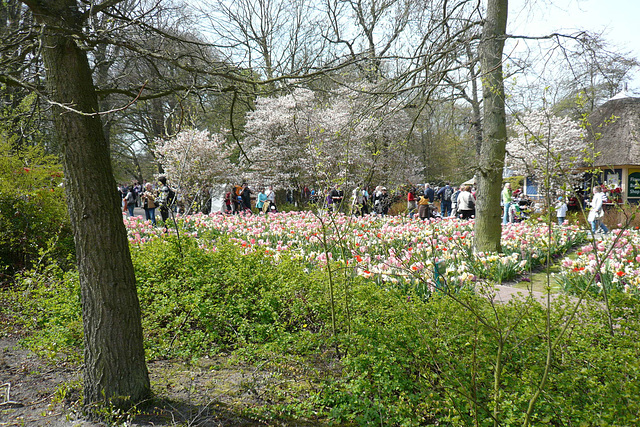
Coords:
599,214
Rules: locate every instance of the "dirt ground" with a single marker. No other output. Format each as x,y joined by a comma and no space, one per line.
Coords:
34,392
28,386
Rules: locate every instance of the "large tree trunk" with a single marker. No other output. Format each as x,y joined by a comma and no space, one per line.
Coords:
492,151
115,368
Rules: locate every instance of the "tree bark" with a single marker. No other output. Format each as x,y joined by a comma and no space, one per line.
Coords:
488,228
115,368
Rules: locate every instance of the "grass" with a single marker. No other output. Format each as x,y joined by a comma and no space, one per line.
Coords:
537,281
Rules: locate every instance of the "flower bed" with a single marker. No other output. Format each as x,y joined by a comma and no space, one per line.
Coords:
392,250
610,262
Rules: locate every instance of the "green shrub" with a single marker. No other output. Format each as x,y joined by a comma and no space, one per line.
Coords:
46,303
398,359
33,212
196,302
432,363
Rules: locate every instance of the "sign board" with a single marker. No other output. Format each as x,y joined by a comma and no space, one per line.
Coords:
633,189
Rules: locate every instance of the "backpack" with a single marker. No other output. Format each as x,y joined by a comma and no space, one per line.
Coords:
447,194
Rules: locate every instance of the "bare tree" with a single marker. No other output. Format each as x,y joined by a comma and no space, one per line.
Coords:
274,38
595,72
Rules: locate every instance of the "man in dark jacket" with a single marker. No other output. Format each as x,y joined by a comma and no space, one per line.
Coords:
246,197
429,193
444,194
166,198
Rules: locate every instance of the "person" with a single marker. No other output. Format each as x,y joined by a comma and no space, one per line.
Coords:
271,198
596,213
517,193
561,210
166,198
228,200
507,198
357,201
336,197
137,191
130,200
385,201
205,201
149,203
466,203
365,201
377,199
412,204
375,195
454,202
237,199
429,193
445,194
262,203
246,198
306,193
423,206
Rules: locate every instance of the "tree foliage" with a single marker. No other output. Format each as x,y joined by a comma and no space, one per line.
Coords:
195,160
307,138
34,223
545,145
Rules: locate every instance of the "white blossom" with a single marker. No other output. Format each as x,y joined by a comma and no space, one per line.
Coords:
194,160
545,145
311,138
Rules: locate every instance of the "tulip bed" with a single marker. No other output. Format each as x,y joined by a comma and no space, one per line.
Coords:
610,262
392,250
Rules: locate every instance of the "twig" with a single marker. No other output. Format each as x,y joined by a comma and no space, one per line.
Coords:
100,113
7,400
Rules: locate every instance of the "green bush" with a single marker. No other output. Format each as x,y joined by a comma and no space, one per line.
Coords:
196,302
33,214
46,303
432,363
397,360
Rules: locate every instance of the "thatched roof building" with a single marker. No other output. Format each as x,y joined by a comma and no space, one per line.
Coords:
614,130
617,122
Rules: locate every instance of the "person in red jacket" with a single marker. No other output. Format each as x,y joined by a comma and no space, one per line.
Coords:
412,203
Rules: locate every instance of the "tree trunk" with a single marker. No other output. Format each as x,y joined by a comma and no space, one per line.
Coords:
488,227
115,368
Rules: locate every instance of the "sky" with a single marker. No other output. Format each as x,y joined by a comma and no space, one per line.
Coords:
617,20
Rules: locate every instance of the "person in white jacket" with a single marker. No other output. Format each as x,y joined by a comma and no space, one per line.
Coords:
596,213
561,210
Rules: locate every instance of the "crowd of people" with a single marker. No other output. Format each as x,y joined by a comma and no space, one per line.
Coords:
424,201
238,199
149,197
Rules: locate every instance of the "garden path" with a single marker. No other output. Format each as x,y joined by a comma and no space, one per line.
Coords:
505,293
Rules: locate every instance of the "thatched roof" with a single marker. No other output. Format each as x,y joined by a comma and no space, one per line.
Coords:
619,141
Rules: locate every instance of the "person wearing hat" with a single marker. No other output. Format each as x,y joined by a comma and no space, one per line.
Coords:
561,210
